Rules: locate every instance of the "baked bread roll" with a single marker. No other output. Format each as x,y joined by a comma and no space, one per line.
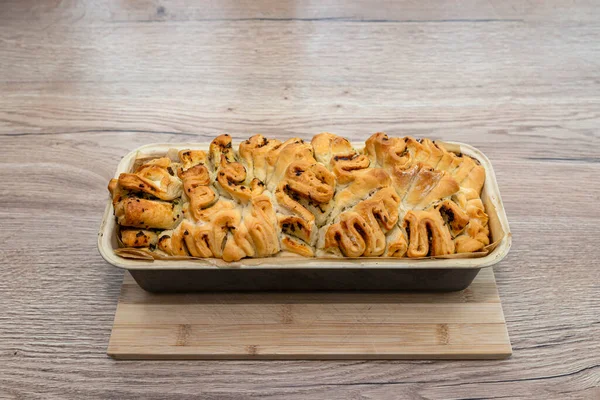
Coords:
197,190
155,178
337,153
396,197
138,238
253,153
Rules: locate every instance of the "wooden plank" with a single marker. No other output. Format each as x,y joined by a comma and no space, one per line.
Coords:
310,325
305,338
347,352
116,11
321,312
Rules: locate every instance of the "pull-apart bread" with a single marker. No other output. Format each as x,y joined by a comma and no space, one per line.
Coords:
397,197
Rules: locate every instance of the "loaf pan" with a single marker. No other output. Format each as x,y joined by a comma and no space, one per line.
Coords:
300,273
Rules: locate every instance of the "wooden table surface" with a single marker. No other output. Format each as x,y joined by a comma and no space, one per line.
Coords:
84,82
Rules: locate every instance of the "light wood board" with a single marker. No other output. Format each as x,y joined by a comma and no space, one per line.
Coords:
318,325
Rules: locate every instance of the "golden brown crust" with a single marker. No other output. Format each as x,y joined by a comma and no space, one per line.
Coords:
261,222
292,205
337,153
226,236
254,152
279,159
361,231
366,182
427,234
380,209
324,147
211,212
190,158
311,181
304,180
399,197
397,243
113,185
475,179
296,246
196,239
402,178
428,186
435,153
386,151
305,185
403,153
196,181
231,176
296,226
156,178
138,238
143,213
343,166
220,146
476,234
172,243
195,176
115,191
348,235
454,217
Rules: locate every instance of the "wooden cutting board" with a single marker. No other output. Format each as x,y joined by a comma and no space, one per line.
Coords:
458,325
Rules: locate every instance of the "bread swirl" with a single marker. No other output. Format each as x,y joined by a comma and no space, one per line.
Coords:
397,197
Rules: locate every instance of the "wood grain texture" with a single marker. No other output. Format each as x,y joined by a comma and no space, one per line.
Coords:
463,325
82,83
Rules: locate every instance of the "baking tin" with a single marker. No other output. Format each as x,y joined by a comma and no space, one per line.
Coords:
300,273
